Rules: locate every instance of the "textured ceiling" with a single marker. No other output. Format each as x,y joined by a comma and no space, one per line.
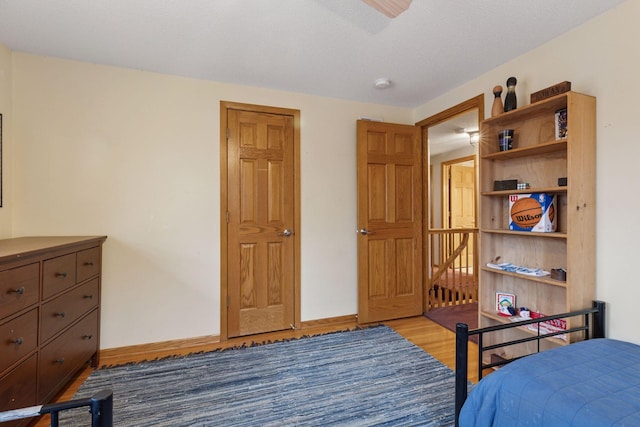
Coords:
333,48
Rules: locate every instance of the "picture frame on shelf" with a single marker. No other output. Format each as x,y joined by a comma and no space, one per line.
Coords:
505,303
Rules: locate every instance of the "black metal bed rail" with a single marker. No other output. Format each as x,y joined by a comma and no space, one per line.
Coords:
463,333
100,406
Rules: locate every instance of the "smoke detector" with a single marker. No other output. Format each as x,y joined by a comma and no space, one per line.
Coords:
382,83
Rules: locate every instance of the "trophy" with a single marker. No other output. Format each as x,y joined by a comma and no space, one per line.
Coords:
497,107
510,101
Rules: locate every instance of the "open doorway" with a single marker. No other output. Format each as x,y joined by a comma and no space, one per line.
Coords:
451,205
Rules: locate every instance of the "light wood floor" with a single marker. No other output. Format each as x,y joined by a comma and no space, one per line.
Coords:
426,334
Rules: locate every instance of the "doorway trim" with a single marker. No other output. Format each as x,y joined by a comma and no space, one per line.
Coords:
477,102
225,106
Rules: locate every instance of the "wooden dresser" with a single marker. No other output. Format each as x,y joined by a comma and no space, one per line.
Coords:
49,315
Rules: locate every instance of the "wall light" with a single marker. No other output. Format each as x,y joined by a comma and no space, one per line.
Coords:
474,137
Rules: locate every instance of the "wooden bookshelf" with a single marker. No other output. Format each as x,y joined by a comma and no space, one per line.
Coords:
538,158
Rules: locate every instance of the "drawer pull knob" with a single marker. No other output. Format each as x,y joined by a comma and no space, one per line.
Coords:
61,275
87,337
18,291
88,296
89,264
60,314
17,341
60,361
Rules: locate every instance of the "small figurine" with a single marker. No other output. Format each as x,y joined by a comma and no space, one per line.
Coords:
497,107
510,101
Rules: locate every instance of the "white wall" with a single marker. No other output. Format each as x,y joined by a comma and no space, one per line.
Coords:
6,111
135,156
600,58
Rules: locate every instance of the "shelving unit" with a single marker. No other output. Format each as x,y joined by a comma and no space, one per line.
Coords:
538,158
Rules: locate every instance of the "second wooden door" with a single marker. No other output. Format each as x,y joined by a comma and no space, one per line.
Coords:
260,222
389,221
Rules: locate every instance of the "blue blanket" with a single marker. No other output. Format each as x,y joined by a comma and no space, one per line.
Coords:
586,384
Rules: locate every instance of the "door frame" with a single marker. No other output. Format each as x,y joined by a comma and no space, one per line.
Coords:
224,107
477,102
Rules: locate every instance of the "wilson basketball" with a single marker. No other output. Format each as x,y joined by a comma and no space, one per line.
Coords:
551,212
526,212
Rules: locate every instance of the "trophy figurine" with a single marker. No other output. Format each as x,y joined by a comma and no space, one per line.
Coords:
510,101
497,107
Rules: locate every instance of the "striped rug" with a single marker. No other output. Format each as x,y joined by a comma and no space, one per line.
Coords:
364,377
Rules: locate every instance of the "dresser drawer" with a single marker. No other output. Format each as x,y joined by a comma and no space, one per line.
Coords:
19,288
63,356
67,308
18,388
58,274
88,264
18,337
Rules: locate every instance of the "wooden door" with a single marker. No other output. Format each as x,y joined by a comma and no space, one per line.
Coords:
260,222
463,205
389,221
462,208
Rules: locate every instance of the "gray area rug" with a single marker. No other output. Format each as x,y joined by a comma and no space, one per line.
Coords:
364,377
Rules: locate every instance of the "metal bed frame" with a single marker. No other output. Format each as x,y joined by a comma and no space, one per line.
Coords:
463,333
100,406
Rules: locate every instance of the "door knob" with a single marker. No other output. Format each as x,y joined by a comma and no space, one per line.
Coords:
363,231
285,233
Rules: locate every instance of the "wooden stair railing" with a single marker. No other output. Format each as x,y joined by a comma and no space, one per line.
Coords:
453,267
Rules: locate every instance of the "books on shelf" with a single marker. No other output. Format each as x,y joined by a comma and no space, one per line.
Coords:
512,268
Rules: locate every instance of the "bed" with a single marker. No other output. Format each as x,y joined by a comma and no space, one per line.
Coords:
595,382
100,410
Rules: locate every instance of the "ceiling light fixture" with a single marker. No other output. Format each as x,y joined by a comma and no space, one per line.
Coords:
382,83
